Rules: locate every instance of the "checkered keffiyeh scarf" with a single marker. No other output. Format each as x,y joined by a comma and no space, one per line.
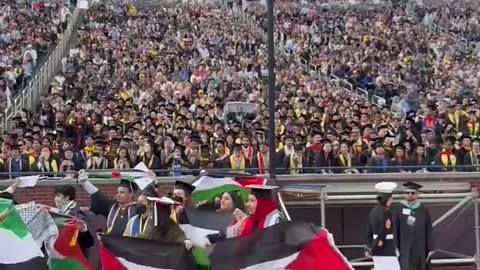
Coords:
39,223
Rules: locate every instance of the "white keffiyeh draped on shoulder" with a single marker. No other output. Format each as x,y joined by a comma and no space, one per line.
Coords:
39,223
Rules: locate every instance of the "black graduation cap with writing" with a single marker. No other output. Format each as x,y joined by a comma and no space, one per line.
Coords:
412,185
262,191
188,188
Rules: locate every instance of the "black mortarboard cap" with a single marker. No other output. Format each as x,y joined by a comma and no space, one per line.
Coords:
412,185
132,187
262,191
237,146
298,147
150,191
188,188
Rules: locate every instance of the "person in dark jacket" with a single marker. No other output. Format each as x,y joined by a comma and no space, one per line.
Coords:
65,204
380,241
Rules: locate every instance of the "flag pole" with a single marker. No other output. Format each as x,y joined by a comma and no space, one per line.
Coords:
271,91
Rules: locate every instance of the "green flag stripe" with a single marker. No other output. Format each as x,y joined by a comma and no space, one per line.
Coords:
13,222
64,264
209,194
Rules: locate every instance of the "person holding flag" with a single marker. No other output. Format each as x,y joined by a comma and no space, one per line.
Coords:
183,194
261,213
118,212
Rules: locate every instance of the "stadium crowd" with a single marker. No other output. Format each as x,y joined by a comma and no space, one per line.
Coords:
28,31
151,86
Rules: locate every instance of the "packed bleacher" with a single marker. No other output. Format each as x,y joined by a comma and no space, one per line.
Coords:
183,91
28,32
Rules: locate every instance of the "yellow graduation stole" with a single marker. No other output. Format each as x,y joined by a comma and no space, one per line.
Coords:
454,118
232,163
472,127
293,169
445,157
346,161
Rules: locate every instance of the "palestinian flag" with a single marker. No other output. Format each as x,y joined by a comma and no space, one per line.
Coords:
66,252
289,245
138,177
18,249
209,186
120,253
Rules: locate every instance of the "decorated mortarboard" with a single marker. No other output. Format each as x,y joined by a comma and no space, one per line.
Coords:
262,191
188,188
412,185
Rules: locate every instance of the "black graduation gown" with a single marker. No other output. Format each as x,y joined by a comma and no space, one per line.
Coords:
153,163
377,231
102,206
218,163
413,241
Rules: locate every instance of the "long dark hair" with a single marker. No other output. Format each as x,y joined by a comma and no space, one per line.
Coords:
161,232
237,201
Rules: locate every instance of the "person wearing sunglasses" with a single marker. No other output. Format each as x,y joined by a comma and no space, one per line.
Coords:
413,230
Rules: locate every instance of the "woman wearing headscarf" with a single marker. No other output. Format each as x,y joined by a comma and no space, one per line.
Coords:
229,202
262,212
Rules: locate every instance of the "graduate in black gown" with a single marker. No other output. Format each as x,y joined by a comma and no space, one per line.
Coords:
117,212
183,193
413,230
380,230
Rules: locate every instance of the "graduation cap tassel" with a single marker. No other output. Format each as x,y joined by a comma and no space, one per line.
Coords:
155,222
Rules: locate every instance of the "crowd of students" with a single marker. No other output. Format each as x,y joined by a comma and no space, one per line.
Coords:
28,31
151,86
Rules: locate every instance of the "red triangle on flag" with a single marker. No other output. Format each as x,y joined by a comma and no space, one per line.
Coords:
109,262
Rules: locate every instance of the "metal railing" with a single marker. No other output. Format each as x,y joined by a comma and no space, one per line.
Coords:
39,84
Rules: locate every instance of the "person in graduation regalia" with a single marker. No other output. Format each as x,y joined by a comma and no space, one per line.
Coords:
183,193
413,227
97,160
149,158
380,241
141,222
117,212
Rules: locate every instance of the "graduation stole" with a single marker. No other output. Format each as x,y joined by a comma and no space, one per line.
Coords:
294,168
346,160
89,149
113,214
454,118
92,163
137,226
429,122
248,153
10,164
150,161
472,127
53,166
261,162
233,163
358,146
447,158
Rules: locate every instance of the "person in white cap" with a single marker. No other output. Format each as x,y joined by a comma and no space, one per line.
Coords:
381,245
